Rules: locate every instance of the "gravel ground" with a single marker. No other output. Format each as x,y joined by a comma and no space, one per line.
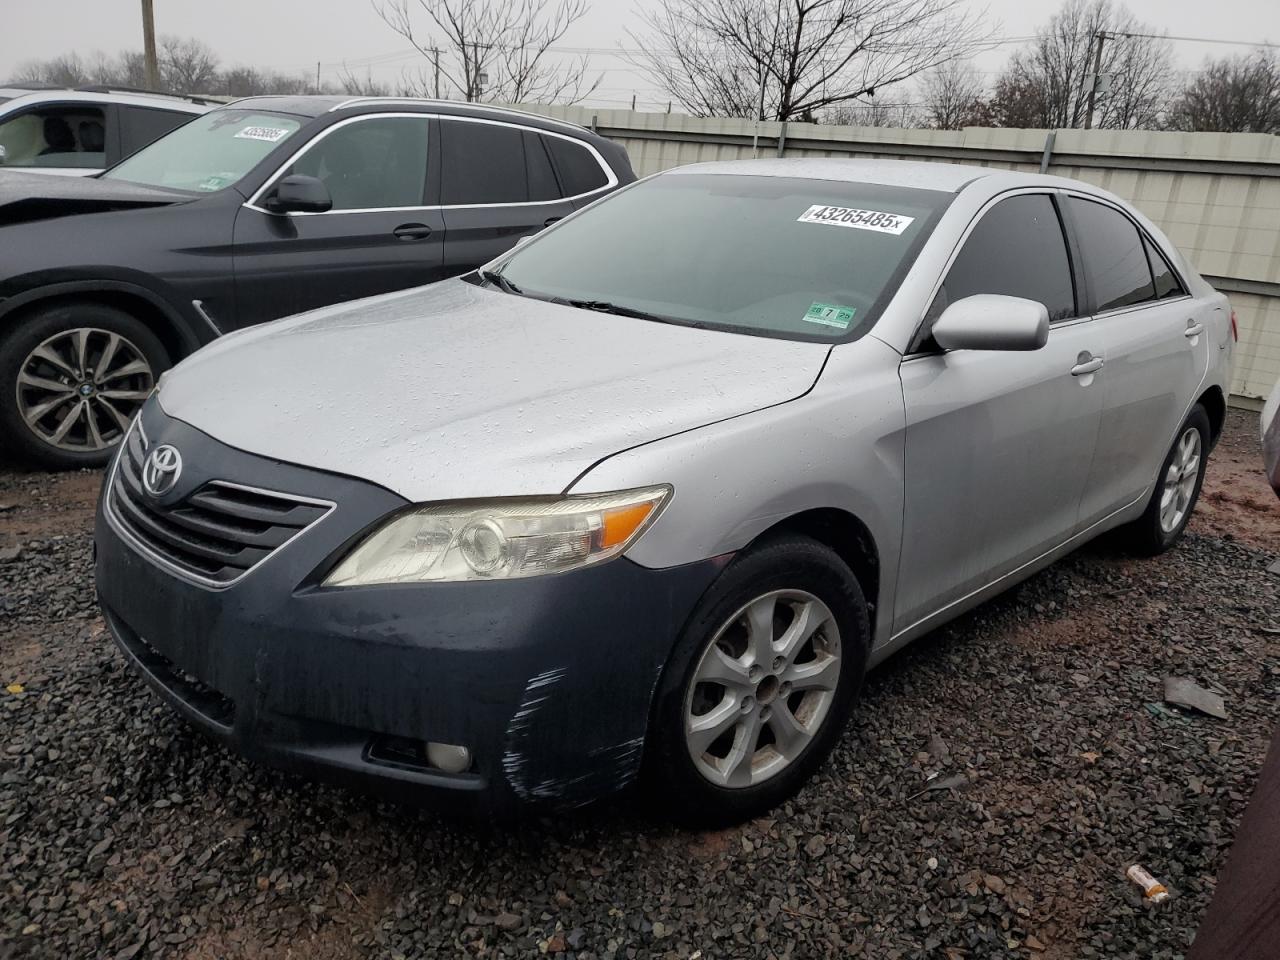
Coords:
125,834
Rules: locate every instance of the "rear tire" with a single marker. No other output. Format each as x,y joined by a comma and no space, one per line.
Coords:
721,753
72,376
1177,489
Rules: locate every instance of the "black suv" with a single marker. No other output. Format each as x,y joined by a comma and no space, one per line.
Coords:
263,208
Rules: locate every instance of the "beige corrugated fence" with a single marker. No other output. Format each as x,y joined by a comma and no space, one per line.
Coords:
1216,195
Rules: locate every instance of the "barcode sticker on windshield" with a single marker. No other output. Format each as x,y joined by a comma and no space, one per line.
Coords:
270,134
876,220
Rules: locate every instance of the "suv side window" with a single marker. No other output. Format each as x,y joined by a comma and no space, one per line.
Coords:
542,175
481,163
62,135
1017,249
370,164
1114,256
580,172
1167,283
140,126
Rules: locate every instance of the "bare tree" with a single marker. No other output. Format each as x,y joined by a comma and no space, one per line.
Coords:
810,55
1048,84
187,65
497,49
251,82
952,97
1232,95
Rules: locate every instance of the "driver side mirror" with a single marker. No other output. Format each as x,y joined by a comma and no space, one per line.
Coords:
298,193
988,321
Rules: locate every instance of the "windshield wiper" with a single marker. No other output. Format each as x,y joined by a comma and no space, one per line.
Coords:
604,306
498,280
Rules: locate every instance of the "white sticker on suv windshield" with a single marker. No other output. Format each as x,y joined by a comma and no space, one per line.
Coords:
876,220
270,134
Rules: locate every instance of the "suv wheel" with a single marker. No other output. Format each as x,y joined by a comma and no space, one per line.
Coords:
760,684
73,377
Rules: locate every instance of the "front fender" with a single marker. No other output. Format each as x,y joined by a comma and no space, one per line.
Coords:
839,446
32,288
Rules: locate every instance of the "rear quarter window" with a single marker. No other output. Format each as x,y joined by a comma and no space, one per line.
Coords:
580,171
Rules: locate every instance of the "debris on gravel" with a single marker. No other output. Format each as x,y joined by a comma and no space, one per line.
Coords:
124,834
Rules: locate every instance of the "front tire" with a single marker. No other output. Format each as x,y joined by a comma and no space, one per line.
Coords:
72,377
760,684
1177,489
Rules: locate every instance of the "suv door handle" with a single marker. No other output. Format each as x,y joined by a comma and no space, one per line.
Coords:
1086,365
412,231
1194,329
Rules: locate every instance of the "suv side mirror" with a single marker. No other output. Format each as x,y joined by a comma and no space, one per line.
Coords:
988,321
298,193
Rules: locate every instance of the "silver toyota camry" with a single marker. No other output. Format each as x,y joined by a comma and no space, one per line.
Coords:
651,493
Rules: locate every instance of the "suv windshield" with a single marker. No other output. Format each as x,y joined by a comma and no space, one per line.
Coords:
780,256
211,152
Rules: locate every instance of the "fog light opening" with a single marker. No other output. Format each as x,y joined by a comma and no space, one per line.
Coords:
449,757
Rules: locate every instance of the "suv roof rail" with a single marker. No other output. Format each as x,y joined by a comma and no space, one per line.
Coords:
457,103
114,88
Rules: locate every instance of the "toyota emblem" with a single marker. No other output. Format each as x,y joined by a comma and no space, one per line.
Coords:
161,470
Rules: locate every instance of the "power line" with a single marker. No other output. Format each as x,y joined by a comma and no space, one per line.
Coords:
1165,36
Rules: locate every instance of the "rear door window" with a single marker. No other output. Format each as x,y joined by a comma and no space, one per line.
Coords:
580,171
61,135
1166,281
542,176
482,163
1114,255
1017,249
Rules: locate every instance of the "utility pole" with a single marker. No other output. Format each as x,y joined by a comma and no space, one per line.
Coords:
317,76
1097,79
149,45
435,61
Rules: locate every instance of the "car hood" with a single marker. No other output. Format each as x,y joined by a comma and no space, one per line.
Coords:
25,197
454,391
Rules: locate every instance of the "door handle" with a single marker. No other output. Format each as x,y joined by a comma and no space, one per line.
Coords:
1087,366
412,231
1194,329
550,220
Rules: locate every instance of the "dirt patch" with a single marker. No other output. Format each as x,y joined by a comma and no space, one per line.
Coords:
1236,499
36,505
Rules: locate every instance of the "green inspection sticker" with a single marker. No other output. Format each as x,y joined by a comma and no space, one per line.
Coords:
830,315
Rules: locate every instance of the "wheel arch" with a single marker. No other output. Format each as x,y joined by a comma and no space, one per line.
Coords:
1215,405
849,537
159,316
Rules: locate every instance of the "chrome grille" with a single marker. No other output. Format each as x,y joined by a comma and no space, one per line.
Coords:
216,534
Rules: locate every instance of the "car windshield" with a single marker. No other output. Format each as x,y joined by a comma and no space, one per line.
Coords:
209,153
779,256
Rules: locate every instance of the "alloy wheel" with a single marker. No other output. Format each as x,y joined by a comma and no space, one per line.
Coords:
762,688
79,389
1180,481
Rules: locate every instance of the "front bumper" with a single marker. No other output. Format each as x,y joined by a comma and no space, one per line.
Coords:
547,680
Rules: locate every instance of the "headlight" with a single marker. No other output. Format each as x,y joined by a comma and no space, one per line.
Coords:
499,539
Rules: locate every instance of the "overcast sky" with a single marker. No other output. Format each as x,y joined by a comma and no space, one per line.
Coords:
292,35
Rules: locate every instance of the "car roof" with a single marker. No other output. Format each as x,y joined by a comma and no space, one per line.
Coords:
315,106
23,98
